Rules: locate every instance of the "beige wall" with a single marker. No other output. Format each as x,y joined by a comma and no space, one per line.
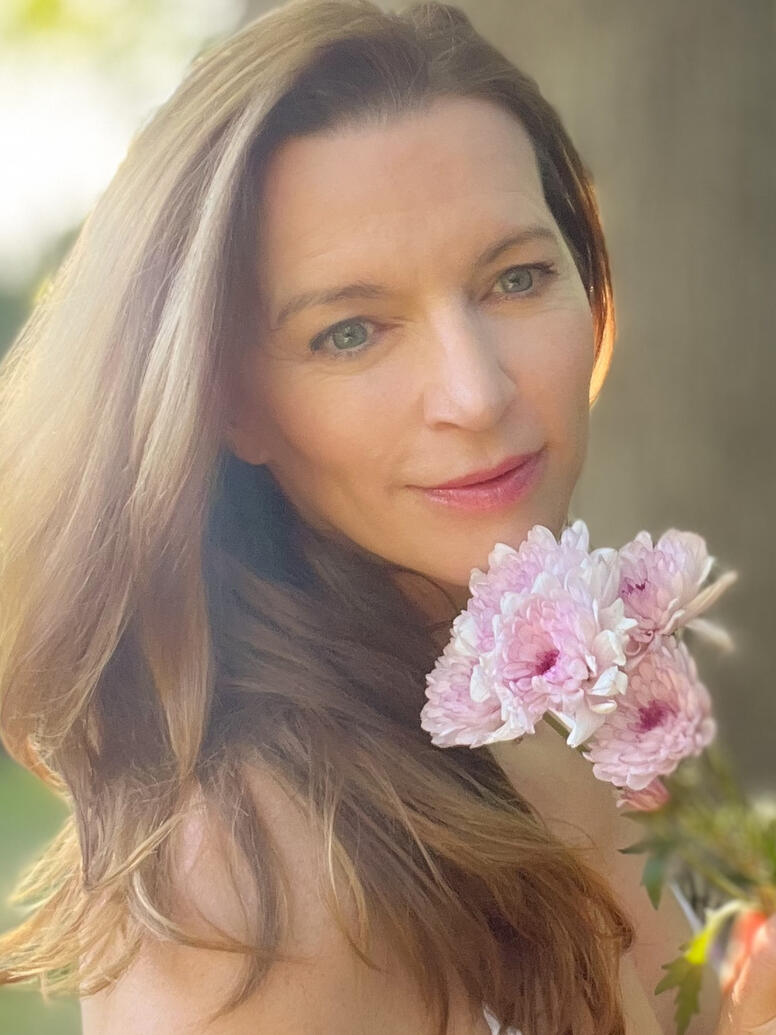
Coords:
671,104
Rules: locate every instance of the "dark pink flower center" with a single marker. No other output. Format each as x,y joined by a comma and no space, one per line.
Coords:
545,661
629,586
652,714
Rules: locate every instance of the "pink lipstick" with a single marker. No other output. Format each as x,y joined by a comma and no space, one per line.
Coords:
491,493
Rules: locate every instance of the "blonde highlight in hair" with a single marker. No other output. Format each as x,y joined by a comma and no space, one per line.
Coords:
169,624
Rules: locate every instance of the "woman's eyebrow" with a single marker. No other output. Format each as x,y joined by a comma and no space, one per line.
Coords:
364,289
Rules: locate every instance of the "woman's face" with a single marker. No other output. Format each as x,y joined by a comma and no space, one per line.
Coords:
444,365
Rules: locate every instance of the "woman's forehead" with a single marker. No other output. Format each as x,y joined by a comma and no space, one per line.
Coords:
455,142
463,169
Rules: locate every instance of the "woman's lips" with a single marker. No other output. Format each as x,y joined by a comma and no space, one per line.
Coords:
484,475
496,492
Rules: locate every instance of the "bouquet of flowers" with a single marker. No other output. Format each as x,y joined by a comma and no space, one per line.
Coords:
592,642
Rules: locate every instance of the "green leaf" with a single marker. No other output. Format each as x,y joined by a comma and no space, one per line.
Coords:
654,875
651,843
686,977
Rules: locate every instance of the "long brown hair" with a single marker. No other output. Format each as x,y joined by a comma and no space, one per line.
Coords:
169,621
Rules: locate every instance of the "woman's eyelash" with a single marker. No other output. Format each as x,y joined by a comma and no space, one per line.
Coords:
547,269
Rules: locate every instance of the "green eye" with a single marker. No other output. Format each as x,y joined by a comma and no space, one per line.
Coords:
346,337
520,276
524,276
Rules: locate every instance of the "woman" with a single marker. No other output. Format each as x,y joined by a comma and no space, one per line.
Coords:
354,256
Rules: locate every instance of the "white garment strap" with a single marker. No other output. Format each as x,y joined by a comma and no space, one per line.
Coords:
495,1024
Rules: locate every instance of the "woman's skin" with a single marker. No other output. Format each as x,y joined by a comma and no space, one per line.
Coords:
463,365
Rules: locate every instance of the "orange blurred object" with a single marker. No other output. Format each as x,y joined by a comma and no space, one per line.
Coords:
739,945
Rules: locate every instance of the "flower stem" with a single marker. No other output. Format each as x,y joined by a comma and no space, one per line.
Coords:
557,724
712,876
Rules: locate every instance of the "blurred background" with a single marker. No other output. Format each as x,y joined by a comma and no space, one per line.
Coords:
671,106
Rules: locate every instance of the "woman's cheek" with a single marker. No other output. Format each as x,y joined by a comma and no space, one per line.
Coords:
335,425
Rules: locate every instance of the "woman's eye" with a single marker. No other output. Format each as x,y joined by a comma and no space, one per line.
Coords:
346,337
522,277
349,338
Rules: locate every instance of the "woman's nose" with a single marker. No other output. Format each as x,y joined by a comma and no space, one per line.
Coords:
466,382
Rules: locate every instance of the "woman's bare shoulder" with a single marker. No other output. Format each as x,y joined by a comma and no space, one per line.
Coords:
172,987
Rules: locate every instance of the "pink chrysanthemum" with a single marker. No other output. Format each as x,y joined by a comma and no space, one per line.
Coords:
516,570
558,648
664,717
660,584
450,714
